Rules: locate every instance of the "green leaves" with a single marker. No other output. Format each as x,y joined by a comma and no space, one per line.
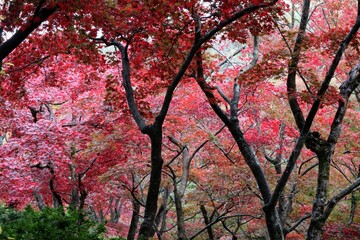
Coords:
49,224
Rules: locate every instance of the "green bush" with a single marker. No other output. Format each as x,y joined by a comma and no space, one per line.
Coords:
52,224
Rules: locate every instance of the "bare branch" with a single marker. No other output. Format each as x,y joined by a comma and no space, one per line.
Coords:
176,156
295,225
334,200
255,57
306,161
218,219
346,89
88,168
222,94
309,168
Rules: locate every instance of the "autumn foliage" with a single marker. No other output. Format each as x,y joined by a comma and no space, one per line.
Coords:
184,120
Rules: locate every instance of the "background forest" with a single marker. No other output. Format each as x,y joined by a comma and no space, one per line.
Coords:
187,119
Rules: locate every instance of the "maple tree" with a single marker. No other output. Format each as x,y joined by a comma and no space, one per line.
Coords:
73,137
133,38
323,148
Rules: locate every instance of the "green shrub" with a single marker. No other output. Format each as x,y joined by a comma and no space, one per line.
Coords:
52,224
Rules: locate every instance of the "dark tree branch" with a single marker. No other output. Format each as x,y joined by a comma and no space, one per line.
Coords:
233,18
34,113
309,168
132,192
295,225
235,101
38,61
40,15
222,94
333,201
205,142
56,197
140,121
306,161
218,219
88,168
199,40
312,113
208,90
39,6
346,89
352,209
176,156
293,66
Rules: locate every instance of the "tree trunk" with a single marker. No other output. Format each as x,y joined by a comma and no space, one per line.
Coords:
163,216
93,214
353,209
273,224
83,195
207,222
286,202
353,201
272,217
147,228
115,210
317,216
134,220
39,200
101,216
179,214
74,198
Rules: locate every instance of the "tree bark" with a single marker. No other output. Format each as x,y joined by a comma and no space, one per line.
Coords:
9,45
115,211
134,220
39,200
207,222
74,198
322,148
286,202
352,209
273,221
317,218
324,151
147,228
179,213
162,218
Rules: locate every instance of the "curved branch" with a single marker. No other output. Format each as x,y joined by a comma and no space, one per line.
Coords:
234,17
309,168
199,40
218,219
140,121
293,227
293,66
333,201
346,89
306,161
